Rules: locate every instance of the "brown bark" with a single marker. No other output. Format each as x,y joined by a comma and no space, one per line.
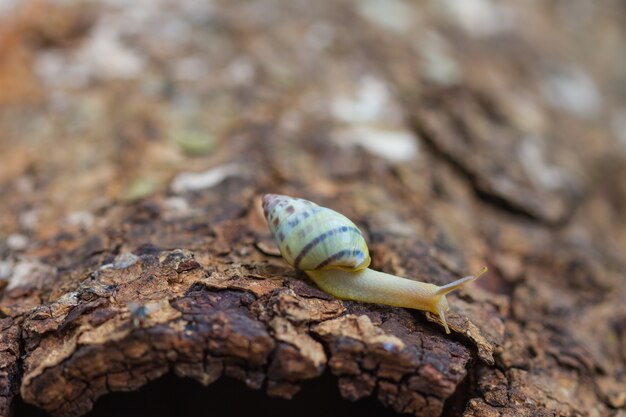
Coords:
117,269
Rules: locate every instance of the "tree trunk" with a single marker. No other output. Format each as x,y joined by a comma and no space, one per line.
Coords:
138,141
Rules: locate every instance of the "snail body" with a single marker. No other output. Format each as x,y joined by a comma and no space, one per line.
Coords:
332,251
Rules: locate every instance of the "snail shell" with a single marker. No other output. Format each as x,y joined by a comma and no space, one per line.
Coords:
311,237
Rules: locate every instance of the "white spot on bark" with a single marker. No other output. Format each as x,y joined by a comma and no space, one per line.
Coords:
572,90
8,7
6,268
440,66
394,15
125,260
241,71
177,205
80,219
369,103
29,219
30,272
17,241
192,181
481,17
540,171
394,145
106,56
121,261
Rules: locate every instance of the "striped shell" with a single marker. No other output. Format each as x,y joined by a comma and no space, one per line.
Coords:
311,237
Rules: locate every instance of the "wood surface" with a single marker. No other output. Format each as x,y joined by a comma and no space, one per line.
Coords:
136,143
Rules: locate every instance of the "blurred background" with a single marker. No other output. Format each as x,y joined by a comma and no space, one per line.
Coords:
113,101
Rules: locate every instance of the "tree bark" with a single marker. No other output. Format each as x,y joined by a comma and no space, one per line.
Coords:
133,244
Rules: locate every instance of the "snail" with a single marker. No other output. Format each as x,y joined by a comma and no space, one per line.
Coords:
331,250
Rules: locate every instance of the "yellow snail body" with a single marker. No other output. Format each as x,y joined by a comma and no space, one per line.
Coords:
331,250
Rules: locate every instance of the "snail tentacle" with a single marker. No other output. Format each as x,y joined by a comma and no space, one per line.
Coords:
454,285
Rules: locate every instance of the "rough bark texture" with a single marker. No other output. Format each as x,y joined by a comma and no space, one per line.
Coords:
455,134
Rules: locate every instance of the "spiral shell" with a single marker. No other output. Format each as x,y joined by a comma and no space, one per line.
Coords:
311,237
